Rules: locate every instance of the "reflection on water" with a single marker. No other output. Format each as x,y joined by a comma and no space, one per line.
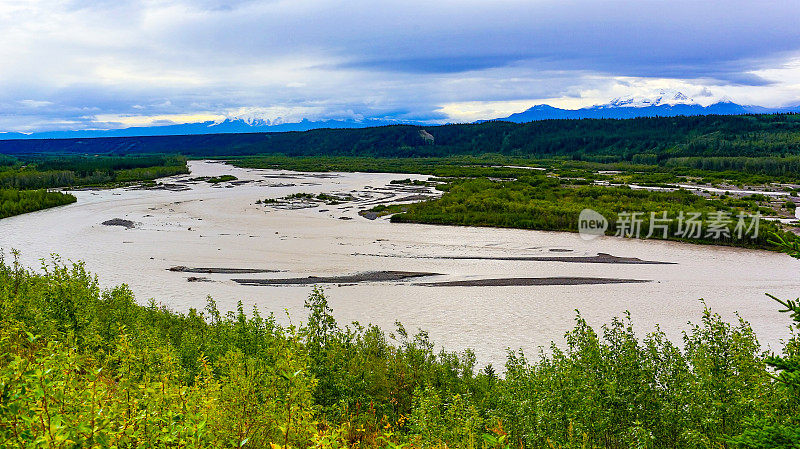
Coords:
197,225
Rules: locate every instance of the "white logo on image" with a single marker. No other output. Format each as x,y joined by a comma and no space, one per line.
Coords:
591,224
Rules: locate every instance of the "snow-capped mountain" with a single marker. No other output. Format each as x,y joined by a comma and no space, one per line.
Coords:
664,97
226,126
667,103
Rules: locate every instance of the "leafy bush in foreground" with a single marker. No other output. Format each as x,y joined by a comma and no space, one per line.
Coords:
82,367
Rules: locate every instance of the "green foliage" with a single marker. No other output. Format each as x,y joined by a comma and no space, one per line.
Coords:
326,198
544,203
504,166
42,171
23,181
781,430
103,371
651,140
219,179
455,166
85,367
15,202
615,391
408,181
8,161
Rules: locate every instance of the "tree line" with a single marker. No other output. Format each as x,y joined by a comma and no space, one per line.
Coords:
26,181
598,140
550,204
16,202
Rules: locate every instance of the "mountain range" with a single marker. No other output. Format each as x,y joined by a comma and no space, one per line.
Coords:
665,104
227,126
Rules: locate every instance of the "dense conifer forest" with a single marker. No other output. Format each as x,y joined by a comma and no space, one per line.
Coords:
26,182
654,140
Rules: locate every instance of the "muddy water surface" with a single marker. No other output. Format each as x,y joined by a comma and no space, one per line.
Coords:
487,289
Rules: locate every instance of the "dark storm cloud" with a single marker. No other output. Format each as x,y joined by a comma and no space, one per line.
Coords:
369,58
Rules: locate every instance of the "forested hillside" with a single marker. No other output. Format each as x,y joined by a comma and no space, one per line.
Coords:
654,140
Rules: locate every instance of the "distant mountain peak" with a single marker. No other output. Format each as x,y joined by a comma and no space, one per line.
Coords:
666,103
541,107
246,123
667,97
249,120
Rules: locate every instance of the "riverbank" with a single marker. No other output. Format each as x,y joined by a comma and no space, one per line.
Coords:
221,226
551,196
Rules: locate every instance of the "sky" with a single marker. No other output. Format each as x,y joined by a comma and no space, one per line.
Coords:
101,64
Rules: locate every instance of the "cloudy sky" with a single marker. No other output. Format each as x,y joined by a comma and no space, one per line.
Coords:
97,64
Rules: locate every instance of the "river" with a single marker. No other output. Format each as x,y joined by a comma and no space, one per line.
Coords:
196,224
